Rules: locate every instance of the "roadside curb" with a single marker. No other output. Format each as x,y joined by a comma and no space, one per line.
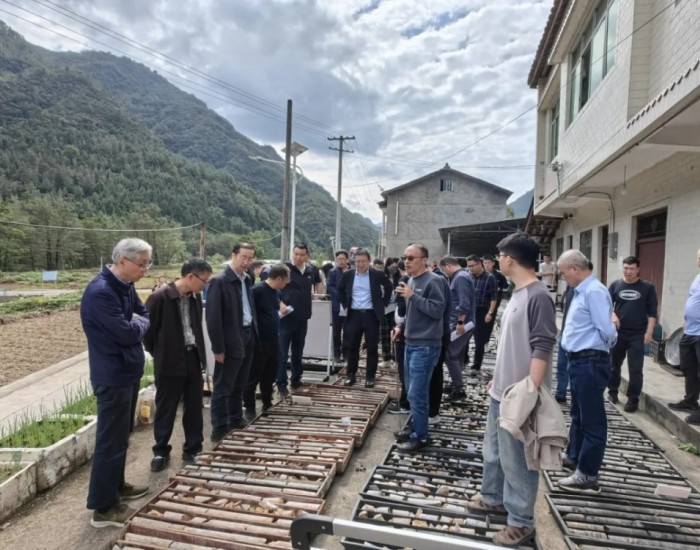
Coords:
43,373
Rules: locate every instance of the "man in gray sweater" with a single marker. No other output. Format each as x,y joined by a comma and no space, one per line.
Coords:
422,330
528,336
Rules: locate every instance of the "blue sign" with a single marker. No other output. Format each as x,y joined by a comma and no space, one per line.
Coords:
49,276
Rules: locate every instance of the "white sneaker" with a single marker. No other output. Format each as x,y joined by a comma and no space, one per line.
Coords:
434,420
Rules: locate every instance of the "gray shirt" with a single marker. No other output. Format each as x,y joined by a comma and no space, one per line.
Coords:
528,331
425,311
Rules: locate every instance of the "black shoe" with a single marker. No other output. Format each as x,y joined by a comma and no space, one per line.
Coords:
240,425
456,396
447,389
249,415
369,383
349,381
189,458
283,391
395,408
297,385
217,436
266,406
560,400
693,418
402,437
413,445
612,397
158,463
131,492
631,406
686,405
568,463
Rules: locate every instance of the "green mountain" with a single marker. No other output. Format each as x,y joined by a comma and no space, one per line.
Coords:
113,138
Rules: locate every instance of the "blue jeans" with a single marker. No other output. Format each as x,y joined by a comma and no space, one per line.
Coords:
115,406
562,373
419,363
292,332
507,481
589,424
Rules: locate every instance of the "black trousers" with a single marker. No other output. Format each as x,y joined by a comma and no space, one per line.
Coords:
359,322
263,371
482,334
690,365
437,380
169,391
338,323
632,346
400,346
385,335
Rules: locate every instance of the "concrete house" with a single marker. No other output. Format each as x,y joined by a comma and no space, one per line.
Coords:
618,139
424,210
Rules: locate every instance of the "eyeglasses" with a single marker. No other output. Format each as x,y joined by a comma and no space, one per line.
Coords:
198,277
145,267
411,258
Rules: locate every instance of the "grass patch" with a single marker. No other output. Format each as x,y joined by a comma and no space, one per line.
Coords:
689,448
148,374
78,278
80,401
32,305
41,433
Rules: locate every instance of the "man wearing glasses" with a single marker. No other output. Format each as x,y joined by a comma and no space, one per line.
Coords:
176,342
232,328
422,329
115,323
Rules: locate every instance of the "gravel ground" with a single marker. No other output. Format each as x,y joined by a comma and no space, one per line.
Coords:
29,345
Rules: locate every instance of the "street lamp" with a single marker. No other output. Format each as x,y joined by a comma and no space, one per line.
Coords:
295,150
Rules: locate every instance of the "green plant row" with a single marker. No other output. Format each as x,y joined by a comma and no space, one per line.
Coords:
40,304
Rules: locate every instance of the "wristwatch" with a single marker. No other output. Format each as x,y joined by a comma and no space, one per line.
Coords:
460,322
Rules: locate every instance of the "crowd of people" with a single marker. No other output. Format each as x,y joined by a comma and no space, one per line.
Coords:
421,313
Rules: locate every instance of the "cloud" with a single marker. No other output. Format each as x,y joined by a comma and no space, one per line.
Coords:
413,81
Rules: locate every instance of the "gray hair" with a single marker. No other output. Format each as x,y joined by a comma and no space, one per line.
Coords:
130,249
573,258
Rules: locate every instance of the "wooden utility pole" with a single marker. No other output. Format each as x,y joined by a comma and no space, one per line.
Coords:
287,192
339,206
202,239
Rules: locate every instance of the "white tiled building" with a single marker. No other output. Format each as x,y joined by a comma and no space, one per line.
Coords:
618,139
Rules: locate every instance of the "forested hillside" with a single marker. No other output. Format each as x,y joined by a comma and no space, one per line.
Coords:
113,144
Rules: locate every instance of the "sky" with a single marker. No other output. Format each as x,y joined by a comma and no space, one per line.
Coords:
417,83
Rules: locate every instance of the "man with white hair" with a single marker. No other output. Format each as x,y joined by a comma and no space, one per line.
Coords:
587,338
115,321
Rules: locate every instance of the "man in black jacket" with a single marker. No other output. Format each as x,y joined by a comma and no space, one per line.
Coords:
364,293
176,341
232,328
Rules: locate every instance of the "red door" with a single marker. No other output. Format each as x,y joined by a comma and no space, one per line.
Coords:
651,254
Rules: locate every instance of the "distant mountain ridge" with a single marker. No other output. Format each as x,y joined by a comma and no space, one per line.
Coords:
113,135
521,205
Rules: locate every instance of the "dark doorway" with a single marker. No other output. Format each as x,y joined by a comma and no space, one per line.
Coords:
651,248
603,268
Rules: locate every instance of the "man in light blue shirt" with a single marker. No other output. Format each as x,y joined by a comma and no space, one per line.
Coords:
588,335
690,354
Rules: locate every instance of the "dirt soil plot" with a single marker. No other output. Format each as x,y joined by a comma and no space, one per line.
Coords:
29,345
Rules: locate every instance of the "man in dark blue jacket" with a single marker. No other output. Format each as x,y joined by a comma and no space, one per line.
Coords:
115,322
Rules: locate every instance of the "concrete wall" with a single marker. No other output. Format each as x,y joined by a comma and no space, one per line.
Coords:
423,209
674,184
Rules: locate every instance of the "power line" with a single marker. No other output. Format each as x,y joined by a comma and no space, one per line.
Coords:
151,51
97,230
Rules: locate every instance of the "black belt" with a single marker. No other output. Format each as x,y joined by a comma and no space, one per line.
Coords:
362,310
249,327
191,347
586,353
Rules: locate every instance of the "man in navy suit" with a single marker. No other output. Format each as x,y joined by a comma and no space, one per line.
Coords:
363,293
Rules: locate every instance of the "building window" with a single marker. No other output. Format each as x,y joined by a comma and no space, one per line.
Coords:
560,247
586,243
594,55
446,185
554,132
